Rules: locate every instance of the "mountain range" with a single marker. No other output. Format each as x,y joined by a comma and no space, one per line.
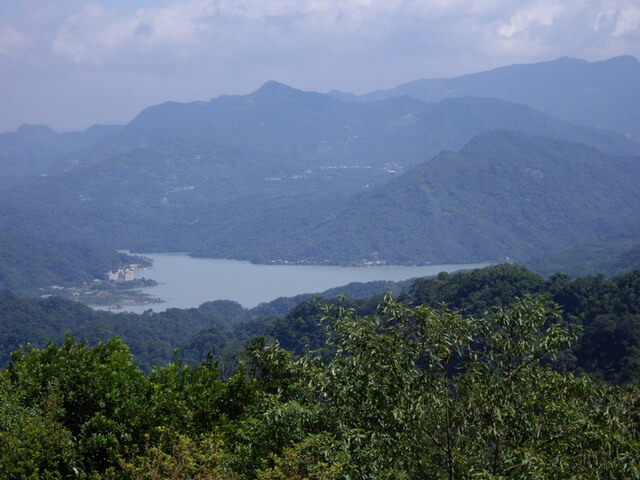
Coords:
433,171
603,94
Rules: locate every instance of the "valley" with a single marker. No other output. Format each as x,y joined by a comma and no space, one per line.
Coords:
319,240
442,277
287,176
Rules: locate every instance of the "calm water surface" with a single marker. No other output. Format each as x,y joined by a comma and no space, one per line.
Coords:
186,282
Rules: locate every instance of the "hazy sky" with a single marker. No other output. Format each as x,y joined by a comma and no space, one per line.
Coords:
70,64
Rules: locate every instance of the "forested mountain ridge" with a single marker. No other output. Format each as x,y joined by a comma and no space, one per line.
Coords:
493,373
604,94
219,326
180,194
279,174
506,194
314,127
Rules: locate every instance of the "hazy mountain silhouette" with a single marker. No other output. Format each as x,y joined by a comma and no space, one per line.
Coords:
603,94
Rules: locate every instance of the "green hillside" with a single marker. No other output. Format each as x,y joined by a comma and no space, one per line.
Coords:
610,258
260,176
28,263
506,195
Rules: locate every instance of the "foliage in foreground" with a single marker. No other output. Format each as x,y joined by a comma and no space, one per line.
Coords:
411,392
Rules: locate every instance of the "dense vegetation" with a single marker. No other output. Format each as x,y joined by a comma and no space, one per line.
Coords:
28,263
612,258
607,310
220,326
505,195
410,392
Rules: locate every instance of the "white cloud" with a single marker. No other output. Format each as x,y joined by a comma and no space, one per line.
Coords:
191,28
540,14
13,41
628,22
94,32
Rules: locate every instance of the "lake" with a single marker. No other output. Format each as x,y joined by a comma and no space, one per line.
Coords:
186,282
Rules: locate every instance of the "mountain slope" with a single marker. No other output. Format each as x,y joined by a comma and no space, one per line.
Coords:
28,263
602,94
505,194
35,149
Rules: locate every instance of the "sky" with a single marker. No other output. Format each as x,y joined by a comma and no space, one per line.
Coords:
70,64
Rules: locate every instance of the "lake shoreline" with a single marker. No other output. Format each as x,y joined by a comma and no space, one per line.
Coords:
313,263
186,281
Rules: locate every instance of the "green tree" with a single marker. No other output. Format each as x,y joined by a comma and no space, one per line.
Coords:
177,456
33,443
100,396
194,400
422,392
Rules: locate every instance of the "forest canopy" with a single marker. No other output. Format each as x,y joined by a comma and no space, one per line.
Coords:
409,392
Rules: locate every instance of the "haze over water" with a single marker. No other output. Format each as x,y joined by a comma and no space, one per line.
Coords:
186,282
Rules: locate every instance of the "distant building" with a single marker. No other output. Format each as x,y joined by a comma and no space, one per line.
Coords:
120,275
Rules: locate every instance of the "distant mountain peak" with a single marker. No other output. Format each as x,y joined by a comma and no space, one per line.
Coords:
35,130
622,61
625,61
272,87
279,93
564,59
